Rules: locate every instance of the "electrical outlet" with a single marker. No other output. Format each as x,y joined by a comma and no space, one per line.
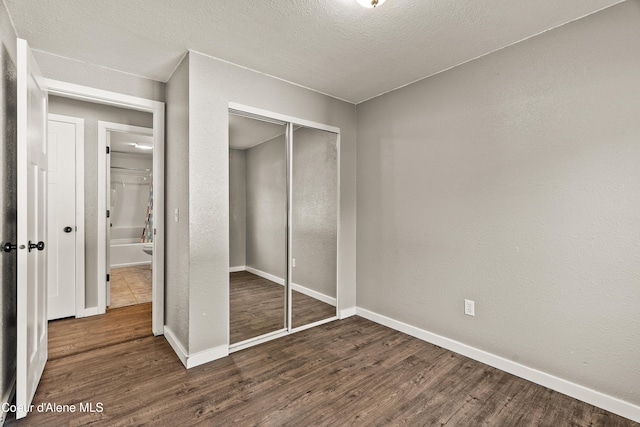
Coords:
469,307
293,262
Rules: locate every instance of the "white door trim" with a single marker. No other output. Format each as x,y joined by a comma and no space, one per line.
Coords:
79,163
281,117
157,108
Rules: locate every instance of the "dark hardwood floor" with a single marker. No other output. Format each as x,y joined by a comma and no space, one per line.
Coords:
348,372
256,307
307,310
71,336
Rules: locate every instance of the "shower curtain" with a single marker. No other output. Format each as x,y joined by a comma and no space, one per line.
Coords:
147,233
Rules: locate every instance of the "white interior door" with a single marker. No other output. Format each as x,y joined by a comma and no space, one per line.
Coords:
62,228
31,353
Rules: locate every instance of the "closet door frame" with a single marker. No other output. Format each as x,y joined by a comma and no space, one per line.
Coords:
257,113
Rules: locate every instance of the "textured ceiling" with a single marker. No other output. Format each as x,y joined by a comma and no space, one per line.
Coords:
332,46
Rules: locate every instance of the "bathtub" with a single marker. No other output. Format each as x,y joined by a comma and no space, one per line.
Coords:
126,248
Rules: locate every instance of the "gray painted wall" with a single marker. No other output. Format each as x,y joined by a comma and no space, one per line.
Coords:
266,180
513,181
82,73
8,207
177,197
91,113
237,208
211,85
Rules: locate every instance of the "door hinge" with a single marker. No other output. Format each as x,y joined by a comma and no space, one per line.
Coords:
108,150
108,277
108,213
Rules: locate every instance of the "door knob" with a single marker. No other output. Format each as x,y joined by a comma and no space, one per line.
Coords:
8,247
67,229
39,246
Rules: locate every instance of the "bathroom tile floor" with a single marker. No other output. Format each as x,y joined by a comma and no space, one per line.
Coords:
130,285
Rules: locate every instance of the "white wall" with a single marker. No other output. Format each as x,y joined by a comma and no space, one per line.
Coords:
212,84
513,180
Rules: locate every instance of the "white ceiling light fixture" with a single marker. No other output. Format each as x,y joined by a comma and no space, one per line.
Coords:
370,3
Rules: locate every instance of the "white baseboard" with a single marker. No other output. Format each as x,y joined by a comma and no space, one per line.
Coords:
236,269
593,397
6,399
265,275
314,294
197,359
176,345
347,312
257,340
130,264
303,290
206,356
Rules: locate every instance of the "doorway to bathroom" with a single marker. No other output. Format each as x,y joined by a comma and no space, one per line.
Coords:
127,133
130,201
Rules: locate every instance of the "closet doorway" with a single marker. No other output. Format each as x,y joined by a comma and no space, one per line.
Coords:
283,225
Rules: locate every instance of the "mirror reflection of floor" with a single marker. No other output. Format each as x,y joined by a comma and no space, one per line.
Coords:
257,307
130,285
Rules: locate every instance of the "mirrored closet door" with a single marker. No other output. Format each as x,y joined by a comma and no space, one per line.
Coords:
257,227
283,227
314,226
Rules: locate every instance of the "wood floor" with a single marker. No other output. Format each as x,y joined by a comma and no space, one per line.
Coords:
256,307
68,337
348,372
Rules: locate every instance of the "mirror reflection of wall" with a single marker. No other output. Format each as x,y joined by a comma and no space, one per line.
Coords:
257,227
314,225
